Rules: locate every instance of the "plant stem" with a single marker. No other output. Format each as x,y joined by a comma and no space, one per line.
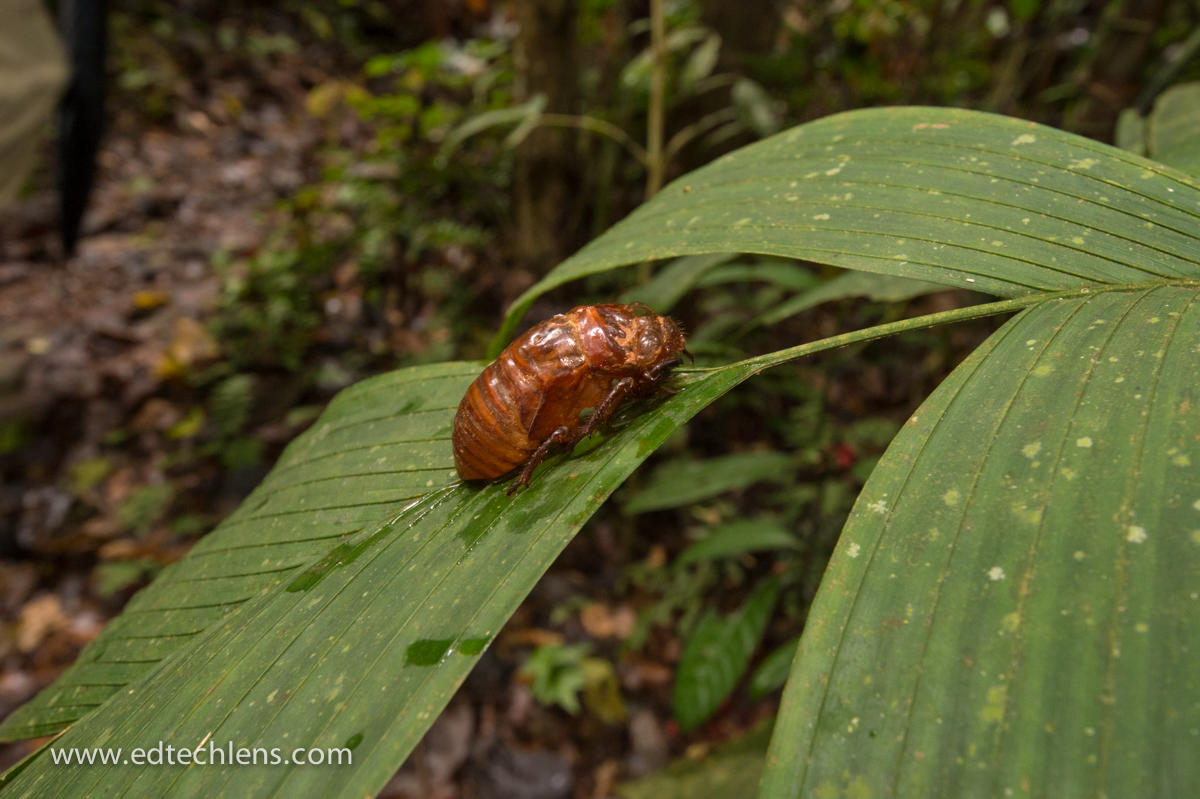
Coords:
681,139
655,166
600,126
767,360
655,161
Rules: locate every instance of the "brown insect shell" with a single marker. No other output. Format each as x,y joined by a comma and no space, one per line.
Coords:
546,377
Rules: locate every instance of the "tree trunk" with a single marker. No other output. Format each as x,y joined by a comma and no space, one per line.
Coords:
547,173
747,27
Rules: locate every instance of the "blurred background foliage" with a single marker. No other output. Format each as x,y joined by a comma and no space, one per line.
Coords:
294,196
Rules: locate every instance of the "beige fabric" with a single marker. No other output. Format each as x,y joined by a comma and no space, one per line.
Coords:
33,70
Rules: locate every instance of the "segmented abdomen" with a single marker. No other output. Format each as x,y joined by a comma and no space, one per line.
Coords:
489,437
548,376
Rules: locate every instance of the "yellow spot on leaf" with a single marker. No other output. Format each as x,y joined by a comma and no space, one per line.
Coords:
993,708
1027,514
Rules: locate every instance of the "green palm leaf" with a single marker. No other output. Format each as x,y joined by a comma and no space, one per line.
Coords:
954,197
1013,599
347,598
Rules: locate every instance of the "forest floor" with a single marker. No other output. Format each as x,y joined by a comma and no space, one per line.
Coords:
94,352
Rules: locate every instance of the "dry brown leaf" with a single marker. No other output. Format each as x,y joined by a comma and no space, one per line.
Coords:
601,621
149,299
40,617
190,344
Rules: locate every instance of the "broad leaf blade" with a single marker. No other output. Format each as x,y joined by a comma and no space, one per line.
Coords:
678,483
1173,130
1130,133
954,197
380,445
367,643
737,538
773,672
717,653
1017,581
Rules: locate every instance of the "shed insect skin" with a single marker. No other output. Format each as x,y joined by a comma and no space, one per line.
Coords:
529,400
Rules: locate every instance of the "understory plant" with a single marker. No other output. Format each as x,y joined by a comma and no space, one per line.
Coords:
1010,605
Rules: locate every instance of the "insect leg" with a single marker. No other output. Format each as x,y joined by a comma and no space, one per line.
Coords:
605,409
655,379
560,435
658,371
